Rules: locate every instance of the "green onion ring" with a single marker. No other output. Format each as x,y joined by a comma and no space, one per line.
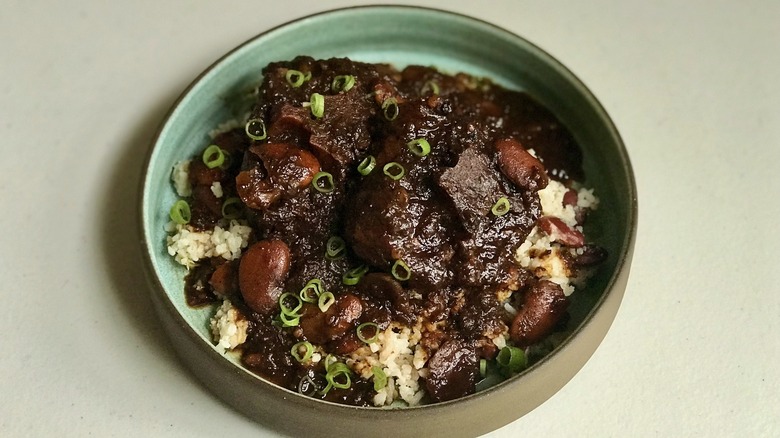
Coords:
317,107
307,76
180,212
255,129
482,367
315,286
511,359
353,276
293,312
501,207
362,337
380,378
343,83
337,370
405,273
295,351
390,108
213,156
399,170
335,248
295,78
328,180
325,300
419,147
367,165
231,208
430,85
289,320
330,360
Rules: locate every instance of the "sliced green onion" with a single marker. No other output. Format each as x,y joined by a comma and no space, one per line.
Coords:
295,78
307,76
325,300
231,208
353,276
307,387
343,83
335,248
329,361
430,85
511,359
501,207
363,337
394,170
180,212
296,351
482,367
317,107
380,378
367,165
287,310
326,180
255,129
419,147
289,320
213,156
401,271
338,376
390,108
311,291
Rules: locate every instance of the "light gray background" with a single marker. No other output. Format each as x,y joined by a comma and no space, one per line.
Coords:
694,90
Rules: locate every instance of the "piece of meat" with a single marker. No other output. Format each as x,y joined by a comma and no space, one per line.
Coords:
261,274
224,279
543,306
452,371
321,327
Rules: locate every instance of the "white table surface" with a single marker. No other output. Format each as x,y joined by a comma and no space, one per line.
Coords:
694,91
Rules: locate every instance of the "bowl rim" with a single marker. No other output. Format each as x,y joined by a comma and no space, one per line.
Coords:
622,264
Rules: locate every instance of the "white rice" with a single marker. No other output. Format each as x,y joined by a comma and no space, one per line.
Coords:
228,327
181,178
188,246
216,189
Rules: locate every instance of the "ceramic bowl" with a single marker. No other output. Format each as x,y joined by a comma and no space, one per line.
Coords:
398,35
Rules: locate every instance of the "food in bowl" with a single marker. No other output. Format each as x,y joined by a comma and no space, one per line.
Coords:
377,237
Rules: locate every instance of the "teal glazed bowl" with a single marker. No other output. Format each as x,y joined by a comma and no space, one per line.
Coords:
401,36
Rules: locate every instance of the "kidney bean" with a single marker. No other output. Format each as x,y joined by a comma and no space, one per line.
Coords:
224,279
261,274
543,306
320,327
519,166
592,255
570,198
560,232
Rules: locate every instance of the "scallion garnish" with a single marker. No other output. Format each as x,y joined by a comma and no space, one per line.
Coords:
323,182
401,271
501,207
390,108
307,76
369,327
295,78
394,170
511,359
296,351
213,156
352,277
307,387
289,320
180,212
482,367
288,310
231,208
338,376
335,248
325,300
367,165
343,83
380,378
255,129
311,291
329,361
317,107
419,147
430,85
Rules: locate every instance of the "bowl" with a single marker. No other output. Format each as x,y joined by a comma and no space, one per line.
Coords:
399,35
